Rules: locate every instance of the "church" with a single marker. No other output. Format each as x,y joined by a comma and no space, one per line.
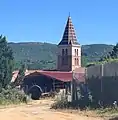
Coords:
68,64
69,50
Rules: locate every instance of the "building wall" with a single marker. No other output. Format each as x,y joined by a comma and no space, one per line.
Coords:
94,71
60,65
44,82
103,82
70,57
76,56
108,69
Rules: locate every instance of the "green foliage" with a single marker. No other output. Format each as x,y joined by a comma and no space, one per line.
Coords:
84,61
44,55
61,104
111,55
8,94
11,95
35,55
101,62
81,98
114,53
95,51
6,62
109,110
20,76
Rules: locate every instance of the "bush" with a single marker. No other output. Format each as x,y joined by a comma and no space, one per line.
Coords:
64,104
12,96
61,104
75,104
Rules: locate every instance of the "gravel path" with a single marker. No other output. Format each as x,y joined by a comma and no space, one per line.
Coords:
39,110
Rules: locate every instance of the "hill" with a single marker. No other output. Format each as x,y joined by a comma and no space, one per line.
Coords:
43,55
95,51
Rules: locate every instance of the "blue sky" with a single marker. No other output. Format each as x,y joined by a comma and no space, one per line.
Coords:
95,21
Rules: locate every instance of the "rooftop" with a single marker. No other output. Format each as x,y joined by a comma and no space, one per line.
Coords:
69,36
59,75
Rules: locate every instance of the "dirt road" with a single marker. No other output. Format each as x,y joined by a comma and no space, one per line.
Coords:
40,110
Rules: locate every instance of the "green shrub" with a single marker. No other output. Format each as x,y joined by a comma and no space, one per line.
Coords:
61,104
64,104
102,62
12,96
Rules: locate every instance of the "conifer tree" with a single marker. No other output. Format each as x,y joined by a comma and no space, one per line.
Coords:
6,62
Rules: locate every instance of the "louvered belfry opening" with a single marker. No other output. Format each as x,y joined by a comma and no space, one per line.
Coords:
69,36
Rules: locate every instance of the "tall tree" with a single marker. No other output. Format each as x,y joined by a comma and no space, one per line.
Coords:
113,54
115,51
6,62
20,76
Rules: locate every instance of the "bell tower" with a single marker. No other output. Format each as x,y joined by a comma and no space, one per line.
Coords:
69,50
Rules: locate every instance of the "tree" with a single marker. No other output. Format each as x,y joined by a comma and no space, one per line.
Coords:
21,75
6,62
84,61
115,51
113,54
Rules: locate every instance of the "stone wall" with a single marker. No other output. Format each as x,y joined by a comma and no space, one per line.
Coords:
108,69
94,71
103,82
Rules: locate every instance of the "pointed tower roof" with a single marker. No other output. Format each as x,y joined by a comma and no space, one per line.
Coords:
69,36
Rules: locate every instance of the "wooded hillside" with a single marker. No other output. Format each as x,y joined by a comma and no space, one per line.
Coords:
43,55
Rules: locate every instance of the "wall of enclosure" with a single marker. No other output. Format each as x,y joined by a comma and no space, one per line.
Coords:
102,81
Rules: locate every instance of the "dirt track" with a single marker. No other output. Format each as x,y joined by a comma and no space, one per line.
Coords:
40,110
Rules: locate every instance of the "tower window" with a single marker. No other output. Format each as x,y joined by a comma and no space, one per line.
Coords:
66,51
75,61
62,52
77,52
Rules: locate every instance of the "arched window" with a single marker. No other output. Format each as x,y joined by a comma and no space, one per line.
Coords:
62,52
66,51
75,61
77,52
66,57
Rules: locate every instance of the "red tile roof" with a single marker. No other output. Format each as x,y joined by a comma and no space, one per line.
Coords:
63,76
59,75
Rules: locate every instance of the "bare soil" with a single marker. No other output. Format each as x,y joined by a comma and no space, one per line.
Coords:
40,110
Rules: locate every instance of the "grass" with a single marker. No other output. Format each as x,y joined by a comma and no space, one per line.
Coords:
11,96
107,112
64,106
